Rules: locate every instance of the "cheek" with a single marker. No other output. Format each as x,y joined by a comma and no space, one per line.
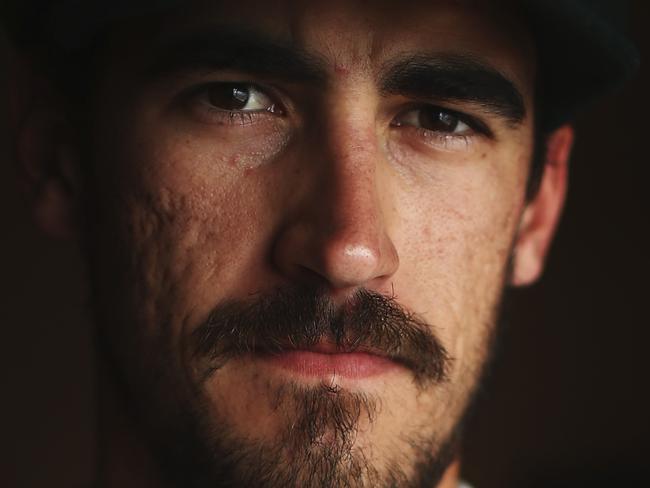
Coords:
462,214
179,221
457,227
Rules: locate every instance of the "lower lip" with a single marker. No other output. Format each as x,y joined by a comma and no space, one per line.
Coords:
355,365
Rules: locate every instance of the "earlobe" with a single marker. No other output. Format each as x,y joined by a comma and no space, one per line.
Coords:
541,216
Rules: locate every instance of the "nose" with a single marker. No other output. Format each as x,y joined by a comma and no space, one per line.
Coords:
337,234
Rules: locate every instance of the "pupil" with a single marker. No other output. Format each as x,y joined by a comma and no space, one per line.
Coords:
229,96
240,95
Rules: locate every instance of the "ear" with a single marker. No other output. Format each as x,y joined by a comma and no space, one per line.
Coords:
45,151
542,214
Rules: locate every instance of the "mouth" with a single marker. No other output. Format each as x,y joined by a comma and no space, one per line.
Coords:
326,360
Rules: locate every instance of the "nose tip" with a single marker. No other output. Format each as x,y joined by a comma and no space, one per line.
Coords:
352,261
343,249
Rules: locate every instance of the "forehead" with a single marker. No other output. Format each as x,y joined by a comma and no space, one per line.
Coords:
358,36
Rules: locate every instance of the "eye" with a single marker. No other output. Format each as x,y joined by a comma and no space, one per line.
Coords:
238,97
434,119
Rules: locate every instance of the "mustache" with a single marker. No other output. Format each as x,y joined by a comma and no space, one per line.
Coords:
299,318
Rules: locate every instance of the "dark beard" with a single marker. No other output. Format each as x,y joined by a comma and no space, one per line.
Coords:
317,446
316,450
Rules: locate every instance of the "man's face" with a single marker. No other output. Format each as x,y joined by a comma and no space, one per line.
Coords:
302,217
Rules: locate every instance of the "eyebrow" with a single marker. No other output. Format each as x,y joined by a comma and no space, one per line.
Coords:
455,78
241,50
437,77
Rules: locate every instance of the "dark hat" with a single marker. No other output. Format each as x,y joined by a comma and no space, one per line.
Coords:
583,52
583,49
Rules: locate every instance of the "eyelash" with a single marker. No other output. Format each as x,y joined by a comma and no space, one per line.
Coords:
472,122
441,139
233,117
195,98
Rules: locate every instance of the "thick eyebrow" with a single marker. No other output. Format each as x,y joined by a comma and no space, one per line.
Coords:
241,50
455,79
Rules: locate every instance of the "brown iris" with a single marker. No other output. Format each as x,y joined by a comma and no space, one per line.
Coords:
438,120
229,96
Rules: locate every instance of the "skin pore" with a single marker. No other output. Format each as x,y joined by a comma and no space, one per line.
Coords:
347,150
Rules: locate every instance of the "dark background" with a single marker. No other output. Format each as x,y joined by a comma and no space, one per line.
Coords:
566,406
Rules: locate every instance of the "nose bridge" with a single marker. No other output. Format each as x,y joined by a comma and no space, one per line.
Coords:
353,206
350,162
341,234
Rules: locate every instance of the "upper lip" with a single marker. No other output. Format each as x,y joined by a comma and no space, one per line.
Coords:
329,346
